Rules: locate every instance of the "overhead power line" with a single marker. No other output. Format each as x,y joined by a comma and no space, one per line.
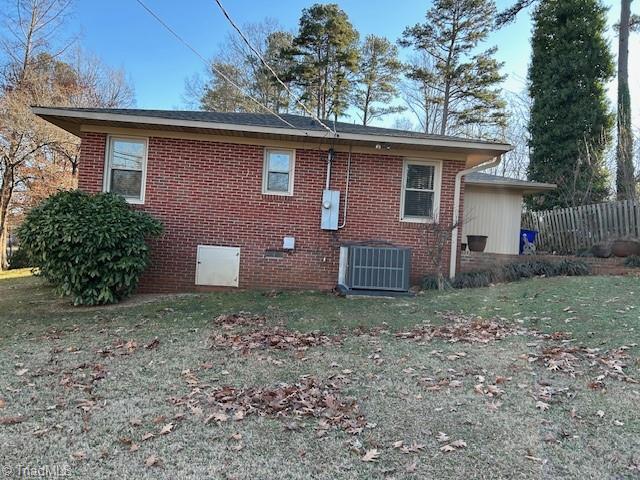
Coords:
273,72
210,64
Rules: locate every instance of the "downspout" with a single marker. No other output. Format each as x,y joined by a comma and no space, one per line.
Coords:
456,208
346,192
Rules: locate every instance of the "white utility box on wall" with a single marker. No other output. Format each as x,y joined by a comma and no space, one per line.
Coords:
330,210
218,266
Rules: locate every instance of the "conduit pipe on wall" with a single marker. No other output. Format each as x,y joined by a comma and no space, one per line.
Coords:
329,161
453,258
346,192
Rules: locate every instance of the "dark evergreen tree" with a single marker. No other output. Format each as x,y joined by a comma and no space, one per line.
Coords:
378,78
625,172
570,121
325,53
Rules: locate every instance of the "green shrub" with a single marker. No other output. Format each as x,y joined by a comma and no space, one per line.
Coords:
515,271
480,278
19,259
572,268
512,272
632,262
90,247
430,282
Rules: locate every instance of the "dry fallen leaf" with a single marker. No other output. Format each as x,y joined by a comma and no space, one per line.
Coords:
152,461
21,372
135,422
147,436
238,415
398,444
80,455
2,402
600,413
371,455
448,448
540,405
168,428
12,420
442,437
459,444
218,417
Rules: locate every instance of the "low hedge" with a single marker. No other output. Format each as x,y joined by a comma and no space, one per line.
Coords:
632,262
512,272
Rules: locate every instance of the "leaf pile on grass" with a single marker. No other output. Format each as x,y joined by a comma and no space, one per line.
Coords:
272,338
574,361
462,328
240,319
307,398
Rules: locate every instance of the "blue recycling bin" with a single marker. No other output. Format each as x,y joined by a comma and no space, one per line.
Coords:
530,235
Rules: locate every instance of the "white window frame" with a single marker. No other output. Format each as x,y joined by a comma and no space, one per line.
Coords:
265,171
437,182
106,186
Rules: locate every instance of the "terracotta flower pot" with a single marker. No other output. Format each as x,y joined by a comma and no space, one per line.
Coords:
477,243
625,248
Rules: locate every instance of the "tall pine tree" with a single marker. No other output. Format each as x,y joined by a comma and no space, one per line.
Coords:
463,81
570,121
378,77
325,55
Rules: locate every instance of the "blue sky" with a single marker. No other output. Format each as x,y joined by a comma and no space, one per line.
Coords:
124,35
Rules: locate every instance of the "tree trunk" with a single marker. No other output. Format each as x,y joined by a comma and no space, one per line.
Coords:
4,237
6,190
625,175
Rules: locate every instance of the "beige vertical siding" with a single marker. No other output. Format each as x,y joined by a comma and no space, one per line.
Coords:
493,212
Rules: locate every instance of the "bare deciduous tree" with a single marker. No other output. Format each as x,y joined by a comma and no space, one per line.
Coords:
437,237
36,158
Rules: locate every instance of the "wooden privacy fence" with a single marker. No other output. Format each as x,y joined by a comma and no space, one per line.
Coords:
568,230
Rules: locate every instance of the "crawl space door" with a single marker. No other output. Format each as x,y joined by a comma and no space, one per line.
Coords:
218,266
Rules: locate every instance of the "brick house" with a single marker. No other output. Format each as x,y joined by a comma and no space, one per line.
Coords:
249,201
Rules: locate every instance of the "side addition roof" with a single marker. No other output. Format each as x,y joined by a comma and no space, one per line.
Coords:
497,181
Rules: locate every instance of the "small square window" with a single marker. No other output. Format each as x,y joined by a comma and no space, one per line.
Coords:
126,167
278,172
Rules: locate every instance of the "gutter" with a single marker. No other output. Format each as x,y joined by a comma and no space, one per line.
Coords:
453,258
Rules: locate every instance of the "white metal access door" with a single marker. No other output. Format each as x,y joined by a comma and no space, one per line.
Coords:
218,266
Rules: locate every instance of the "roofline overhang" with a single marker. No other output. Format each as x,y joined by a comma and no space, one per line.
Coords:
72,121
526,188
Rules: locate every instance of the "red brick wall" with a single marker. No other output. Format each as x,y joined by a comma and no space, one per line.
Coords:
210,193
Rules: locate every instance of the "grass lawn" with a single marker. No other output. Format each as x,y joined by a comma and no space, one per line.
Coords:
84,388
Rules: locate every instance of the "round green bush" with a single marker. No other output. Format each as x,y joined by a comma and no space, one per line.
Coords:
90,247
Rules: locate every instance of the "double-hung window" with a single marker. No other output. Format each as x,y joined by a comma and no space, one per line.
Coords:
126,168
277,178
420,191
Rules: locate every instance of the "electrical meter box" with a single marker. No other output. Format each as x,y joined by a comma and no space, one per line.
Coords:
330,210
